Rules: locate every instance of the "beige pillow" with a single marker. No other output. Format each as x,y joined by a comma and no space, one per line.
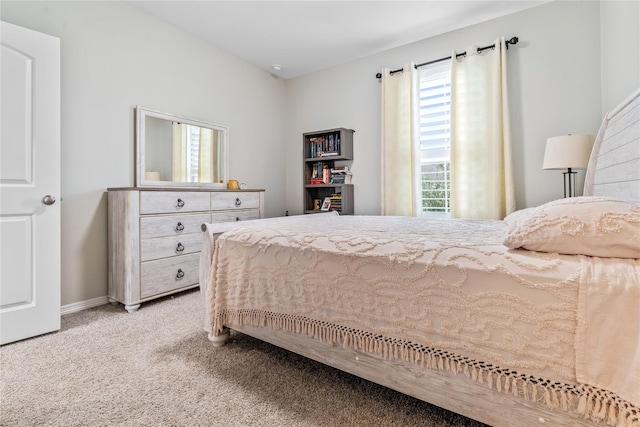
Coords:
595,226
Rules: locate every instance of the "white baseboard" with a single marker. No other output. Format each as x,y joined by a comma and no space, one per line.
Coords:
83,305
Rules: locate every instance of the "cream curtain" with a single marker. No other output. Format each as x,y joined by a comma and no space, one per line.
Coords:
205,155
208,153
481,169
400,156
217,174
180,141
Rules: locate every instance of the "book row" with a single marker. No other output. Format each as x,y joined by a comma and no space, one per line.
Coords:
324,145
332,203
321,173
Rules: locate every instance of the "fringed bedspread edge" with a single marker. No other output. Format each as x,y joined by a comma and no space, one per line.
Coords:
593,403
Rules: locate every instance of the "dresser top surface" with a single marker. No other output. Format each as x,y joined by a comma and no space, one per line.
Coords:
173,189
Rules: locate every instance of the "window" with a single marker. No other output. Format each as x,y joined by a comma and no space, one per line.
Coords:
193,152
435,137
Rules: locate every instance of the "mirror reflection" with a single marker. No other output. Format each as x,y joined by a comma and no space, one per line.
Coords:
175,151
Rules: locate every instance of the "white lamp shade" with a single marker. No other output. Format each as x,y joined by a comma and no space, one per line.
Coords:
568,151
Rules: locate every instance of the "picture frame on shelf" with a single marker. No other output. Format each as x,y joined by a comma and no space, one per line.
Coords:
326,204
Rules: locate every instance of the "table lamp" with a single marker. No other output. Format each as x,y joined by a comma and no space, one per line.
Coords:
568,152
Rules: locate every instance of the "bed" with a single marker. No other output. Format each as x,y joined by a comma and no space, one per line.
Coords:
532,320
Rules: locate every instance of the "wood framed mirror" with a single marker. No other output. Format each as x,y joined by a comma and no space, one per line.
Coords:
175,151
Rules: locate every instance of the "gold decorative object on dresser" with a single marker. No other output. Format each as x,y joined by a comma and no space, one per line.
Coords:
155,237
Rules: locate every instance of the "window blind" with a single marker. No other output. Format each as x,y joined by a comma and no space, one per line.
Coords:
435,137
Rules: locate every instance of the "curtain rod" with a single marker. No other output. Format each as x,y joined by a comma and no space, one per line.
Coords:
512,40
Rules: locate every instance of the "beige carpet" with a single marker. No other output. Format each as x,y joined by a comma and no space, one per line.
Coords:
155,367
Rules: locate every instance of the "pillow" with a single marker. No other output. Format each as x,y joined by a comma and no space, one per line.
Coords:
594,226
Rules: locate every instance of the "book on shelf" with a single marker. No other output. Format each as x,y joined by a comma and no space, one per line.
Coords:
324,145
336,202
320,173
340,175
340,170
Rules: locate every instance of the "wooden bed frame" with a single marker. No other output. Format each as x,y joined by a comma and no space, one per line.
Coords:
457,392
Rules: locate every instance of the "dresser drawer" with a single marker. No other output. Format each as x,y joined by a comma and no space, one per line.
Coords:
168,274
232,216
155,235
235,200
155,202
164,247
171,225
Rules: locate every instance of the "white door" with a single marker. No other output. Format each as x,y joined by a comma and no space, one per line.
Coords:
29,183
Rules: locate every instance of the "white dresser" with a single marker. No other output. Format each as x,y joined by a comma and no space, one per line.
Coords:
155,236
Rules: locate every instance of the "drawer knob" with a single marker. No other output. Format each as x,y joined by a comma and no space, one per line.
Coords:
179,248
179,227
238,201
180,203
180,274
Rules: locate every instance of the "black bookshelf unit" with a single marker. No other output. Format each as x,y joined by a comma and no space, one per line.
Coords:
327,175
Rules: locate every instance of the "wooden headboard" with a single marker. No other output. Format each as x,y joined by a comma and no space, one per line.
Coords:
614,166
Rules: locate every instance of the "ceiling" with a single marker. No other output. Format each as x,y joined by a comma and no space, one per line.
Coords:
306,36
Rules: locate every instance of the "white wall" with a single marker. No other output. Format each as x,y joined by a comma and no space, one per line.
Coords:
620,23
114,58
554,89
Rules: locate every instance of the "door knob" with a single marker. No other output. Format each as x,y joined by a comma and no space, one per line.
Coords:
48,199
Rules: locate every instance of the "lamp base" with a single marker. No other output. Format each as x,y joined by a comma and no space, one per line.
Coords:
569,183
